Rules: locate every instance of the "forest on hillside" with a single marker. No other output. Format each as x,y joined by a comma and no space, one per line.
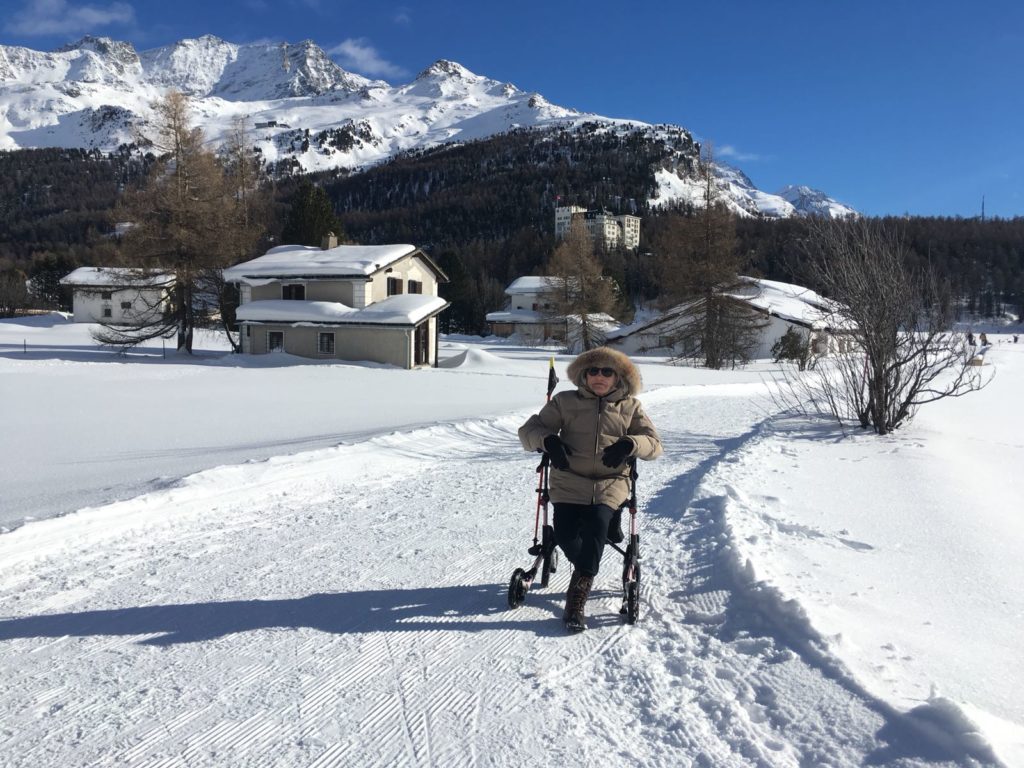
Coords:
484,210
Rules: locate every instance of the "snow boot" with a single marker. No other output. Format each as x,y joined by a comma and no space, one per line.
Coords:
615,534
575,600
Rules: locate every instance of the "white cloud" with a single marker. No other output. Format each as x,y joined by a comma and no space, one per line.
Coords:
59,17
358,55
729,151
403,16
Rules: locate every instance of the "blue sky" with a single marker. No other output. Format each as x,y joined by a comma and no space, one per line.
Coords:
892,107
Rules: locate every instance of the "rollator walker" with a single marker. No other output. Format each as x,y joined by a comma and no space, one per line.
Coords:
545,552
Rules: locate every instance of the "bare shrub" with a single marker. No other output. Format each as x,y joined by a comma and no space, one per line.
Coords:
896,321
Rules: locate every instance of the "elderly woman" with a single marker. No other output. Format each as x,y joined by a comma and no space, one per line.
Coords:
590,434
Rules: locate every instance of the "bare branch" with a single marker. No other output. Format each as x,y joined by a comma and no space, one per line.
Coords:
897,320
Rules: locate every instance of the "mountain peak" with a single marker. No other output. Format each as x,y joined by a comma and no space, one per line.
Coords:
808,200
203,40
89,42
102,46
443,68
210,66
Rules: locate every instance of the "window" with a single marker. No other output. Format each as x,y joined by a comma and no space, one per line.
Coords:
415,286
105,295
293,292
394,286
325,344
126,305
107,312
275,341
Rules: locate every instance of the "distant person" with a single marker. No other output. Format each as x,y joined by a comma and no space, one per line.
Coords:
983,338
1015,338
589,435
970,338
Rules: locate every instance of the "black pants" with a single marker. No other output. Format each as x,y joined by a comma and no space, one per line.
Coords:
581,530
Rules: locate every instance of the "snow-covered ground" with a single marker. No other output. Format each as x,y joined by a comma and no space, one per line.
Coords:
305,565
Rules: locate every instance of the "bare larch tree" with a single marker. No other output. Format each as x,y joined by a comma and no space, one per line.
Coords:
189,219
698,267
578,292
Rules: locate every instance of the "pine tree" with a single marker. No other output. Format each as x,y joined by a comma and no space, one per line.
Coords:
311,218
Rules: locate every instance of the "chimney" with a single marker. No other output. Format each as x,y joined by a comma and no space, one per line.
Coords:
329,241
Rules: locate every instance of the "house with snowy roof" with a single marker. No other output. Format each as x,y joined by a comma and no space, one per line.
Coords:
347,302
781,305
529,314
117,295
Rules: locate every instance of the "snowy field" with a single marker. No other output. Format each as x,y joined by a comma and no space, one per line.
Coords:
216,561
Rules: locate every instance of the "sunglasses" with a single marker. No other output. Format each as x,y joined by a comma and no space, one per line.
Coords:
606,372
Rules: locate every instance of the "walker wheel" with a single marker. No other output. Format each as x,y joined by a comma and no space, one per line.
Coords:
632,602
517,587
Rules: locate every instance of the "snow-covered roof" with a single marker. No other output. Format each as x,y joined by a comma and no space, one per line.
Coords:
405,309
793,303
116,277
288,311
516,316
308,261
598,319
528,284
790,302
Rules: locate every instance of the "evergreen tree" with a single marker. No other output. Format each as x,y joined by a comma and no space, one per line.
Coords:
47,269
13,294
311,218
794,347
460,291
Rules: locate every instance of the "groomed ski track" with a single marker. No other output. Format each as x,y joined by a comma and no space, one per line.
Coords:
346,607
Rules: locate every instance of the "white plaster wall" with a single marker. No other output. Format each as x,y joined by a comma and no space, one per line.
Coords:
407,268
87,305
380,345
344,291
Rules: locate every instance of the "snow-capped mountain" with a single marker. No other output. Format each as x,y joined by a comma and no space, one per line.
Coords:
809,201
304,110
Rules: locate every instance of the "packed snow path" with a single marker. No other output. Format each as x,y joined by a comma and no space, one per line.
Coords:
347,607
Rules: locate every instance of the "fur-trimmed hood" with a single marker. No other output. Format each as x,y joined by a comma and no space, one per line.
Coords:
606,357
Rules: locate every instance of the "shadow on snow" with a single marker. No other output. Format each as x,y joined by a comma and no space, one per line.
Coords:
470,608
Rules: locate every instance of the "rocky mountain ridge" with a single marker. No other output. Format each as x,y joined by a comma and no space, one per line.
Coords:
305,112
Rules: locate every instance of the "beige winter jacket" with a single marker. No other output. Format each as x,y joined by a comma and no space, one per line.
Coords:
587,424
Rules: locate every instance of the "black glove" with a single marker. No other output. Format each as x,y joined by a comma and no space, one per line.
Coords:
615,454
557,451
